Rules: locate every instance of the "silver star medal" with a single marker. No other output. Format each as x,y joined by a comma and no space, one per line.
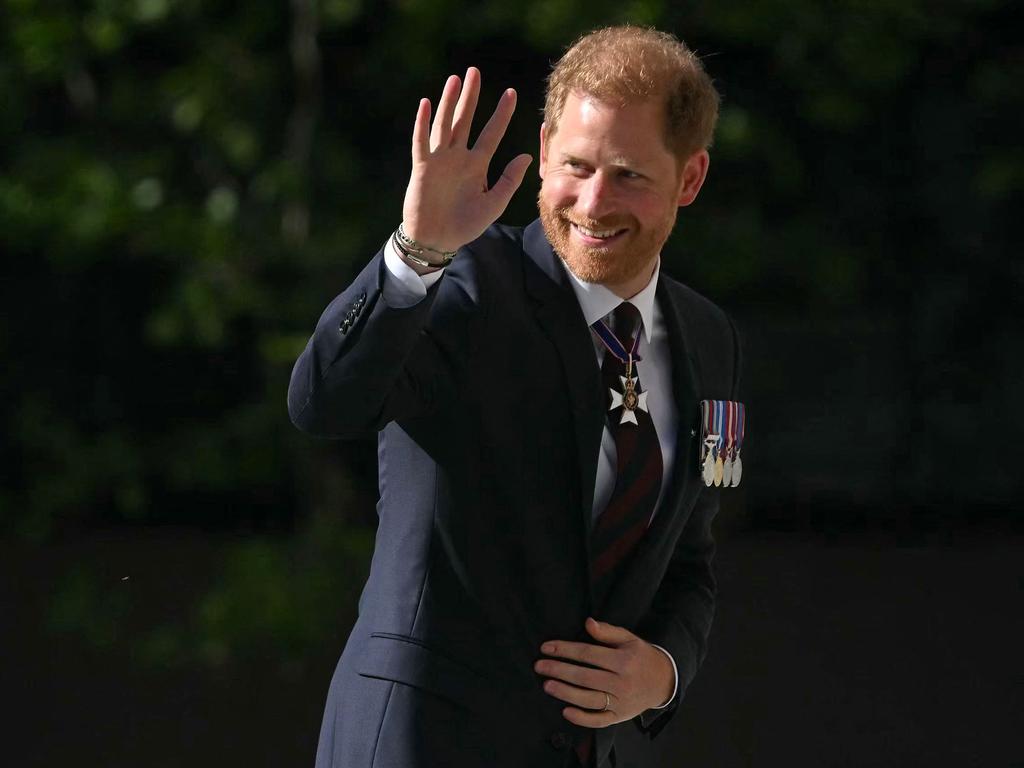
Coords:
629,399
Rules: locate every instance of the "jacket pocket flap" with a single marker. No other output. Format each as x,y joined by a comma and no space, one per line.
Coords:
406,660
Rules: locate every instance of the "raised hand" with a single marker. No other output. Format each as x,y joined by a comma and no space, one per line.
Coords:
448,202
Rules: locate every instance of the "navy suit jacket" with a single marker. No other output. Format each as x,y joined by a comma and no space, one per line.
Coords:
487,400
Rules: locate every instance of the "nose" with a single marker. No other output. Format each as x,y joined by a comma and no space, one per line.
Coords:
596,198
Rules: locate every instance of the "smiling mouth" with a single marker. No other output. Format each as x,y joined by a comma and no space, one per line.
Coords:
596,236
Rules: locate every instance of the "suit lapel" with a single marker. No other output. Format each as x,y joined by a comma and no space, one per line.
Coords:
560,317
655,548
686,376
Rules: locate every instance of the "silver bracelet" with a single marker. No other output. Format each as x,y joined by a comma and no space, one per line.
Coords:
415,255
414,251
417,247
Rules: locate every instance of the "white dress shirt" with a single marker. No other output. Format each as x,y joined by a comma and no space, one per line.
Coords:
654,368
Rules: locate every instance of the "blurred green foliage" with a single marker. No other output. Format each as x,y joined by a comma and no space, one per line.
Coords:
270,598
186,184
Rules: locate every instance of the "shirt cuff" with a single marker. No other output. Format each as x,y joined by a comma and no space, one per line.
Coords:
402,286
675,672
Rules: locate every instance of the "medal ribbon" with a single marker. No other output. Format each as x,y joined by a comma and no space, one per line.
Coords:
719,423
730,427
611,341
742,427
708,428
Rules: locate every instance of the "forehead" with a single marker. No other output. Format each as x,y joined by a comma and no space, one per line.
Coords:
635,130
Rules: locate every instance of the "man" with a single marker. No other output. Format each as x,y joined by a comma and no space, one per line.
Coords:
541,576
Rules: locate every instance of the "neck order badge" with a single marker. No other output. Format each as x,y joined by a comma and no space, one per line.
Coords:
723,426
628,399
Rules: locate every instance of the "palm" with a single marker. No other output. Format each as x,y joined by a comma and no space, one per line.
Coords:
448,202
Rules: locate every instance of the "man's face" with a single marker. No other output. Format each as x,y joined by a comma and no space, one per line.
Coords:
611,189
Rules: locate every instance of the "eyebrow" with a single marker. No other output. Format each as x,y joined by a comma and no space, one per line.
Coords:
618,160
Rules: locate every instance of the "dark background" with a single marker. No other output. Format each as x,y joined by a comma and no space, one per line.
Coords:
186,185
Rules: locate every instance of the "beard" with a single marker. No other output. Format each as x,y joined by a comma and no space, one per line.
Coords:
615,264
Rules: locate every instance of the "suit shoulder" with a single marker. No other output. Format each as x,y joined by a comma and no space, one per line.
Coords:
497,239
716,340
498,250
695,306
481,270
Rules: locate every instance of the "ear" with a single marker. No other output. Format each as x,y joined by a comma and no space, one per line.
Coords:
543,151
695,170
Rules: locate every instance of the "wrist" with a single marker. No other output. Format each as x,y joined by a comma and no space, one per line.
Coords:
424,230
419,270
667,693
419,255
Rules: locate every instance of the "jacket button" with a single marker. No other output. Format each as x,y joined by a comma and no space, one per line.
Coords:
345,325
560,740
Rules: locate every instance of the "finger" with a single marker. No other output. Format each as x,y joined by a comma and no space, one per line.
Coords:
582,697
441,134
594,655
489,138
510,180
589,719
609,633
421,132
584,677
466,107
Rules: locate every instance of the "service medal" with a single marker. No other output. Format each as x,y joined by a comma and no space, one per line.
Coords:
737,471
708,470
723,427
725,457
739,430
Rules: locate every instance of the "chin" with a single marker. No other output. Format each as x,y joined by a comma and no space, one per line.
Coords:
604,266
615,264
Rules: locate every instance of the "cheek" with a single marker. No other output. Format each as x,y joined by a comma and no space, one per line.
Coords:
559,192
653,209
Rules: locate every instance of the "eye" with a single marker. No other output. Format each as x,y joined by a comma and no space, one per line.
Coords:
628,174
577,167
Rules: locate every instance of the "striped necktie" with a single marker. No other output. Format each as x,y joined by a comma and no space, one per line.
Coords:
638,471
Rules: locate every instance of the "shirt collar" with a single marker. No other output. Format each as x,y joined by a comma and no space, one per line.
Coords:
598,302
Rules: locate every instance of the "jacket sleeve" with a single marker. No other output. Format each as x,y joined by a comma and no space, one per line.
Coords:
368,363
684,606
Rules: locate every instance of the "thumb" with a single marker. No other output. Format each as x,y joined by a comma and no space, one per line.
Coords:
510,180
608,633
